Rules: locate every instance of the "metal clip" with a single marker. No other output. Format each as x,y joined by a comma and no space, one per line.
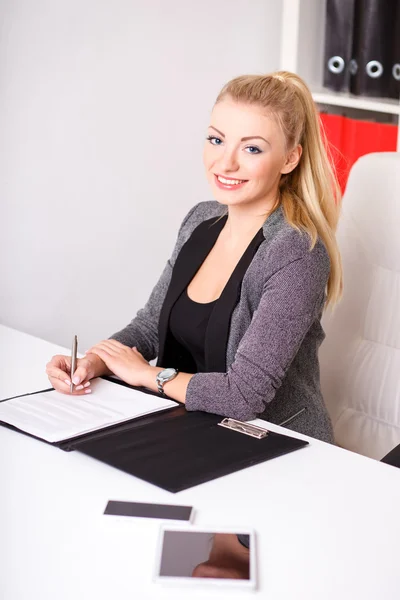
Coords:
246,428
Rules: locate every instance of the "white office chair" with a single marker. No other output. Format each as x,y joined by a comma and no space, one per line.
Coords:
360,357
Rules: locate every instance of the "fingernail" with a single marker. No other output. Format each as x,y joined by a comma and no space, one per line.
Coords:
67,381
88,391
79,387
86,384
76,380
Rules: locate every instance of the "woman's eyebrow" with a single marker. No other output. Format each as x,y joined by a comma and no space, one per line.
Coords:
244,139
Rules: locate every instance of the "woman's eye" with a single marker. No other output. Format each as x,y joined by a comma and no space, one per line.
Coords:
253,149
214,140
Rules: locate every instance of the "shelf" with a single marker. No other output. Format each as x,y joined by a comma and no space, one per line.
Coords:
384,105
302,51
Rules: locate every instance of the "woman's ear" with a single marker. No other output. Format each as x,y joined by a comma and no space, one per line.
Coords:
292,160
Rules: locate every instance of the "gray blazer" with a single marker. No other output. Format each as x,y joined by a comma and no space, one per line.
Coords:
272,368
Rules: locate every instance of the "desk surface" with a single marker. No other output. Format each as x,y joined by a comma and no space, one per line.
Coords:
327,520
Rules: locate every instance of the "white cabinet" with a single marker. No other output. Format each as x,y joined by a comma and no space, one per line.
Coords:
302,51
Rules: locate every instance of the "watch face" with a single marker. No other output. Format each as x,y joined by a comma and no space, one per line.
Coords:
168,373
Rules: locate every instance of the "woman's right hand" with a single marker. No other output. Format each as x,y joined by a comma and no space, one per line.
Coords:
59,373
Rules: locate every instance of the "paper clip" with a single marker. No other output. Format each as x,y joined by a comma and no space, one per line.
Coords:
246,428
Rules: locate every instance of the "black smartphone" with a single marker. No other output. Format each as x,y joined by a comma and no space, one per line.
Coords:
172,512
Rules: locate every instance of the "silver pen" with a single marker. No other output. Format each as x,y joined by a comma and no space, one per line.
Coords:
74,352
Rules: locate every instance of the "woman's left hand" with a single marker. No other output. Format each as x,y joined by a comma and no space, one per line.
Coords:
127,363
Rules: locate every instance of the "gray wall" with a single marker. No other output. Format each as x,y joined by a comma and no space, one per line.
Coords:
103,111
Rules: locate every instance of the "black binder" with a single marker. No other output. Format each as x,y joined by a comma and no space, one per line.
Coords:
338,44
373,47
394,86
176,449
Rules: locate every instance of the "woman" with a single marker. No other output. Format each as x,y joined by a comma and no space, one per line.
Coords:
235,316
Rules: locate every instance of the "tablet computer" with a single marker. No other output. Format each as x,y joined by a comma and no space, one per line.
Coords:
206,556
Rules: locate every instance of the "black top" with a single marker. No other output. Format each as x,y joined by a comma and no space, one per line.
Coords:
190,321
188,324
189,260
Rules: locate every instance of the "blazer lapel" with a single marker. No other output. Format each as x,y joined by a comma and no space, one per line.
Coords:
188,262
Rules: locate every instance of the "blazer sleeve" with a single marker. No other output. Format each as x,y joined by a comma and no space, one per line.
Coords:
291,301
142,331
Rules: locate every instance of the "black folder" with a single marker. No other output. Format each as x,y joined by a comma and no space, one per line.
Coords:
176,449
394,86
338,44
373,46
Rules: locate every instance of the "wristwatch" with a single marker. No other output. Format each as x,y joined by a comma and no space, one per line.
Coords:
165,376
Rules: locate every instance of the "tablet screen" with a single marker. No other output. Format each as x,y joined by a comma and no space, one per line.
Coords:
207,555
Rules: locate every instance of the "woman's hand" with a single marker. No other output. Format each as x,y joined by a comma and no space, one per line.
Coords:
125,362
59,373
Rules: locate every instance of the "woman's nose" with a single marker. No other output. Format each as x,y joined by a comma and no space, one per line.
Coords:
228,161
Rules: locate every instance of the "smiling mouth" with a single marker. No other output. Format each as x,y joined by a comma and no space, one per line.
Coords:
231,182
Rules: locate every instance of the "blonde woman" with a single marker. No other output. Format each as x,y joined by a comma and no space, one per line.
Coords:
235,316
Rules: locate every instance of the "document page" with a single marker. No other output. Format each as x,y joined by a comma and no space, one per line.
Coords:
55,417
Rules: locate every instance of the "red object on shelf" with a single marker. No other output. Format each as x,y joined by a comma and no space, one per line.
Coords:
350,138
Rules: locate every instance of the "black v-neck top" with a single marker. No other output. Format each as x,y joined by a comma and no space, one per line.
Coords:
188,324
189,320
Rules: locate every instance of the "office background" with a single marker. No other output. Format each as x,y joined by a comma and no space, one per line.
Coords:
103,112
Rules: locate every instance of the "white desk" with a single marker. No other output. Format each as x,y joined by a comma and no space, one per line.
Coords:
24,358
327,521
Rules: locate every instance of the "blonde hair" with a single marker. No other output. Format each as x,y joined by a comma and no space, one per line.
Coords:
310,195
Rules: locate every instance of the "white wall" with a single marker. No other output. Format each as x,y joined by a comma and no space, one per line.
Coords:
103,111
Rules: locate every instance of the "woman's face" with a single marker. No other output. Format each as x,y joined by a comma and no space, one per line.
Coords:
245,155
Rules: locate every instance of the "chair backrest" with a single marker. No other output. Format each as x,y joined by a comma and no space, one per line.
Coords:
360,357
